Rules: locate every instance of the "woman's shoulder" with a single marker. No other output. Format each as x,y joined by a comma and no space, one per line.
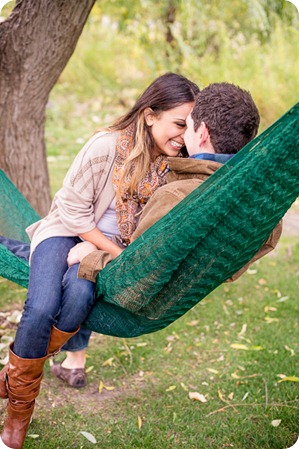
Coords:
102,142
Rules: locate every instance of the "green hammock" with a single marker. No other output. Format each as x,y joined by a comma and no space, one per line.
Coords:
200,243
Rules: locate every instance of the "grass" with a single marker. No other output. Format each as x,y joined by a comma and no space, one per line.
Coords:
145,382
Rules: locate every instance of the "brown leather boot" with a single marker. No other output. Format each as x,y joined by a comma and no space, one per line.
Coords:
23,379
58,338
23,384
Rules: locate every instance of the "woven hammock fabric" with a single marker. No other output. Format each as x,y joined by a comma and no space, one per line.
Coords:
200,243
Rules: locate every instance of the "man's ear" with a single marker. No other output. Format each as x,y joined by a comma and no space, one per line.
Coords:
149,116
203,133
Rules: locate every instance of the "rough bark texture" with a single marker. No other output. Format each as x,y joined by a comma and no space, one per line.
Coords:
36,42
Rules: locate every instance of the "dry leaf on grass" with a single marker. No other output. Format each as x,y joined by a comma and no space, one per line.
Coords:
262,281
212,370
289,379
139,422
239,346
194,396
283,298
290,349
275,422
245,396
193,323
270,320
106,387
89,437
108,362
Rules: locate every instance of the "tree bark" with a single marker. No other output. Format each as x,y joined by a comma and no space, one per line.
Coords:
36,42
169,21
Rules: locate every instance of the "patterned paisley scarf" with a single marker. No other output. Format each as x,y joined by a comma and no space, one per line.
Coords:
128,206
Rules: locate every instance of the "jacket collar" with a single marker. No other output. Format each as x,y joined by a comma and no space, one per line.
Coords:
181,168
216,157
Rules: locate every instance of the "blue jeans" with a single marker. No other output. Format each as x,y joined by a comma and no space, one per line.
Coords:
20,249
55,297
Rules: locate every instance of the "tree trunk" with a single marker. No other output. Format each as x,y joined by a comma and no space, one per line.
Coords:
169,21
36,42
173,52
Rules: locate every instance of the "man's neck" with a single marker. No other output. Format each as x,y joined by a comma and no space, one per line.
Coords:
201,149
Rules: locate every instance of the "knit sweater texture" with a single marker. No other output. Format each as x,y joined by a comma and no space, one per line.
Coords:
86,193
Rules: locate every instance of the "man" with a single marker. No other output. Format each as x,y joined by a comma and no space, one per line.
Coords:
223,120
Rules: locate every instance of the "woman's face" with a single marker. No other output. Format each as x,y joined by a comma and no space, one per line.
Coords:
168,129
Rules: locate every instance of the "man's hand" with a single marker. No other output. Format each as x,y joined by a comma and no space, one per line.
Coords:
79,251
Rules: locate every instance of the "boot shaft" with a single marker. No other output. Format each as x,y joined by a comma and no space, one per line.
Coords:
58,338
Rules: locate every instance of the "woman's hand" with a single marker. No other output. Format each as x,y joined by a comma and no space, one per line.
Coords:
79,251
102,242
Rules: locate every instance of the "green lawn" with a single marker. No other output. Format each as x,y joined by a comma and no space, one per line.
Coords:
234,349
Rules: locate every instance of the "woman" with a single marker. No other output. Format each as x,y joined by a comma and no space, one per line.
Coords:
109,182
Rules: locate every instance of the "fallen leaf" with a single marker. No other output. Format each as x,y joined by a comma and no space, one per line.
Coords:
283,298
101,386
245,396
231,396
15,317
171,338
212,370
139,422
289,379
221,397
262,281
33,435
269,320
184,387
239,346
141,345
89,369
108,362
193,323
171,388
197,397
291,350
89,437
256,348
250,271
275,422
270,309
243,330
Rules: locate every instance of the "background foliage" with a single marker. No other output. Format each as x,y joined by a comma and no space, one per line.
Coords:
125,45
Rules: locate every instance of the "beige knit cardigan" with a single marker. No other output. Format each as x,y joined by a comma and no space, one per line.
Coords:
86,193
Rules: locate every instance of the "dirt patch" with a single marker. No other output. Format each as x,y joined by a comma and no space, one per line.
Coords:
55,394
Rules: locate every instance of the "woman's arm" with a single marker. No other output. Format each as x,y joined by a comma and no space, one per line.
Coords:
87,185
101,242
